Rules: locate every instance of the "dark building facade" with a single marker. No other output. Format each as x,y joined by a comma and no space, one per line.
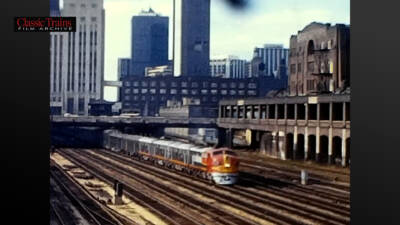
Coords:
124,65
100,108
191,35
147,94
149,41
54,8
319,59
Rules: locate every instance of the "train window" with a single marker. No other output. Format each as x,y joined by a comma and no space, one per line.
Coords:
230,153
217,153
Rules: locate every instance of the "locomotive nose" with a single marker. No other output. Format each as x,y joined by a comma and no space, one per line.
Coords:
227,161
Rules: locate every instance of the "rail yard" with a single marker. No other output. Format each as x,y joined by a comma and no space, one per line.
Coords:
157,194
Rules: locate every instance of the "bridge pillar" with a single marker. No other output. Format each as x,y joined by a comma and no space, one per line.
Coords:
317,143
344,148
295,142
330,144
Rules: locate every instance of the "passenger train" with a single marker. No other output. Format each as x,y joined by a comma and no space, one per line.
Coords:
218,165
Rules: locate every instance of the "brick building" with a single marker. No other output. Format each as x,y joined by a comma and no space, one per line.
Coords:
319,59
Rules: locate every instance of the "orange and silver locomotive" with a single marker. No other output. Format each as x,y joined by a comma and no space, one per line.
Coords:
218,165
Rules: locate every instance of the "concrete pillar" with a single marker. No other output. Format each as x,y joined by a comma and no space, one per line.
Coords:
344,148
281,144
275,143
295,113
317,144
306,143
259,112
330,145
330,112
295,142
318,112
344,112
267,112
276,113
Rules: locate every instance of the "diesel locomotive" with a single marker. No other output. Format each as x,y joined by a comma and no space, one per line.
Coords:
218,165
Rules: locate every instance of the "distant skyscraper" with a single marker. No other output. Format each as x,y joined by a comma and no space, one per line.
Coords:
228,67
124,65
77,59
191,50
54,8
149,41
271,55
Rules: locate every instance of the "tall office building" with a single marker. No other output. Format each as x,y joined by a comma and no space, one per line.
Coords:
77,59
149,41
191,34
54,8
228,67
271,56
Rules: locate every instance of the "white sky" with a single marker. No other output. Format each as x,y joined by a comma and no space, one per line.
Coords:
232,32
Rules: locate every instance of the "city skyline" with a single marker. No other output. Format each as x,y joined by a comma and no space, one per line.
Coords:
280,18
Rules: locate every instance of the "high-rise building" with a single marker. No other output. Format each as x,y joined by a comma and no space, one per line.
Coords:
271,56
149,41
191,35
77,59
124,65
228,67
54,8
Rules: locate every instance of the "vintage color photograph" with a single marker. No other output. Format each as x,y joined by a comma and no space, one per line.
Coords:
200,112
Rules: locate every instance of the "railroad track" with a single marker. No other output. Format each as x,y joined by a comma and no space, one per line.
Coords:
338,213
279,205
87,206
169,214
291,174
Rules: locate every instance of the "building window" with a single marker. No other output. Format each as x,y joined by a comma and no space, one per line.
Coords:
233,85
310,67
144,91
299,68
143,98
163,91
204,91
136,98
127,83
153,84
205,99
214,91
173,91
194,92
205,84
135,91
162,84
127,91
224,92
214,85
83,6
251,92
127,98
136,84
293,68
241,85
144,84
82,19
184,91
223,85
94,19
330,44
174,84
195,85
184,84
214,99
252,85
152,98
94,5
153,91
127,104
232,92
241,92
